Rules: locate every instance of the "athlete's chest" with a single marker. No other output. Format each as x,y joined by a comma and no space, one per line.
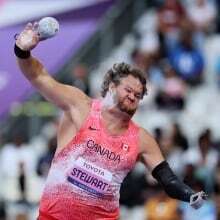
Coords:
112,153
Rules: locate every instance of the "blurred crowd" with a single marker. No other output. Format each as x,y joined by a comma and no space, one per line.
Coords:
171,51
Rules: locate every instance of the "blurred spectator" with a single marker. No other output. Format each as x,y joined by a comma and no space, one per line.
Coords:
161,207
217,178
205,159
173,154
1,139
171,95
45,160
156,76
179,144
218,20
217,189
170,16
149,44
187,60
133,187
2,211
17,159
217,70
21,216
158,134
22,182
202,14
149,63
217,202
189,174
179,139
80,78
140,60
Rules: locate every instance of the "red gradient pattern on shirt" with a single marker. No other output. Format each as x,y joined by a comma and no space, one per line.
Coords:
85,177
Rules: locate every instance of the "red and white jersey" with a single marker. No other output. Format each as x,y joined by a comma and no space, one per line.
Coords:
85,177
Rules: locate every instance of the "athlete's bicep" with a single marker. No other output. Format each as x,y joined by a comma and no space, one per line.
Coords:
150,153
63,96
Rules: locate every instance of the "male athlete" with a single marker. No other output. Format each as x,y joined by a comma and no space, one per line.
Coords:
98,143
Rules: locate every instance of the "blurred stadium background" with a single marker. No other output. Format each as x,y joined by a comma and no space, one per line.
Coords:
177,44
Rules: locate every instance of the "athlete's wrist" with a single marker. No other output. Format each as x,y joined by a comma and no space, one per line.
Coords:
20,53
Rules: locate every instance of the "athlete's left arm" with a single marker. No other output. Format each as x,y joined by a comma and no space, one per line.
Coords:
151,156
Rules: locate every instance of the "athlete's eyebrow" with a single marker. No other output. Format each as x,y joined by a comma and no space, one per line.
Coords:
137,94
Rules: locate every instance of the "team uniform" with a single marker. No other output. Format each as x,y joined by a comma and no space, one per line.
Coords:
85,176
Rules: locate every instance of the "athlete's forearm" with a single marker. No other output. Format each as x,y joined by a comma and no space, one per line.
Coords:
31,68
171,184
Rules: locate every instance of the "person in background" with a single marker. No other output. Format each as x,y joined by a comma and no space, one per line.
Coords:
161,207
45,160
80,78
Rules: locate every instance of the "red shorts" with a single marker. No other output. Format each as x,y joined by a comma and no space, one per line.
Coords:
79,212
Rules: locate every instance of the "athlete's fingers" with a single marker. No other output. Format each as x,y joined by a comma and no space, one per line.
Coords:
28,26
35,26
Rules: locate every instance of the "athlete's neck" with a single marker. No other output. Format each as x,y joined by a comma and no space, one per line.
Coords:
113,118
115,121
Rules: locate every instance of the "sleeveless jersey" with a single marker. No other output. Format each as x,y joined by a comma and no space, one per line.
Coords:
85,177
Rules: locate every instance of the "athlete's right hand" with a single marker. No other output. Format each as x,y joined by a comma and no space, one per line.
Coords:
28,38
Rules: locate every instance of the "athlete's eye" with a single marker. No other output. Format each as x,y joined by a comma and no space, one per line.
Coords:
128,90
138,96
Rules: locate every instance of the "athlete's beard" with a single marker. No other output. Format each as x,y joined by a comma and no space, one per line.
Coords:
125,109
111,100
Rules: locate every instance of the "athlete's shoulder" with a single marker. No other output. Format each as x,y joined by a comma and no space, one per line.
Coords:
134,124
144,132
146,138
95,104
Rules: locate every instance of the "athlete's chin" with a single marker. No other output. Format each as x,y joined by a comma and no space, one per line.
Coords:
129,111
127,107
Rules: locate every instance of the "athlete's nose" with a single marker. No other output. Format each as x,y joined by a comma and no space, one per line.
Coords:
131,97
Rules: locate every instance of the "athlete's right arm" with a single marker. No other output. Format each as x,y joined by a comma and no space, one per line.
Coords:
64,96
